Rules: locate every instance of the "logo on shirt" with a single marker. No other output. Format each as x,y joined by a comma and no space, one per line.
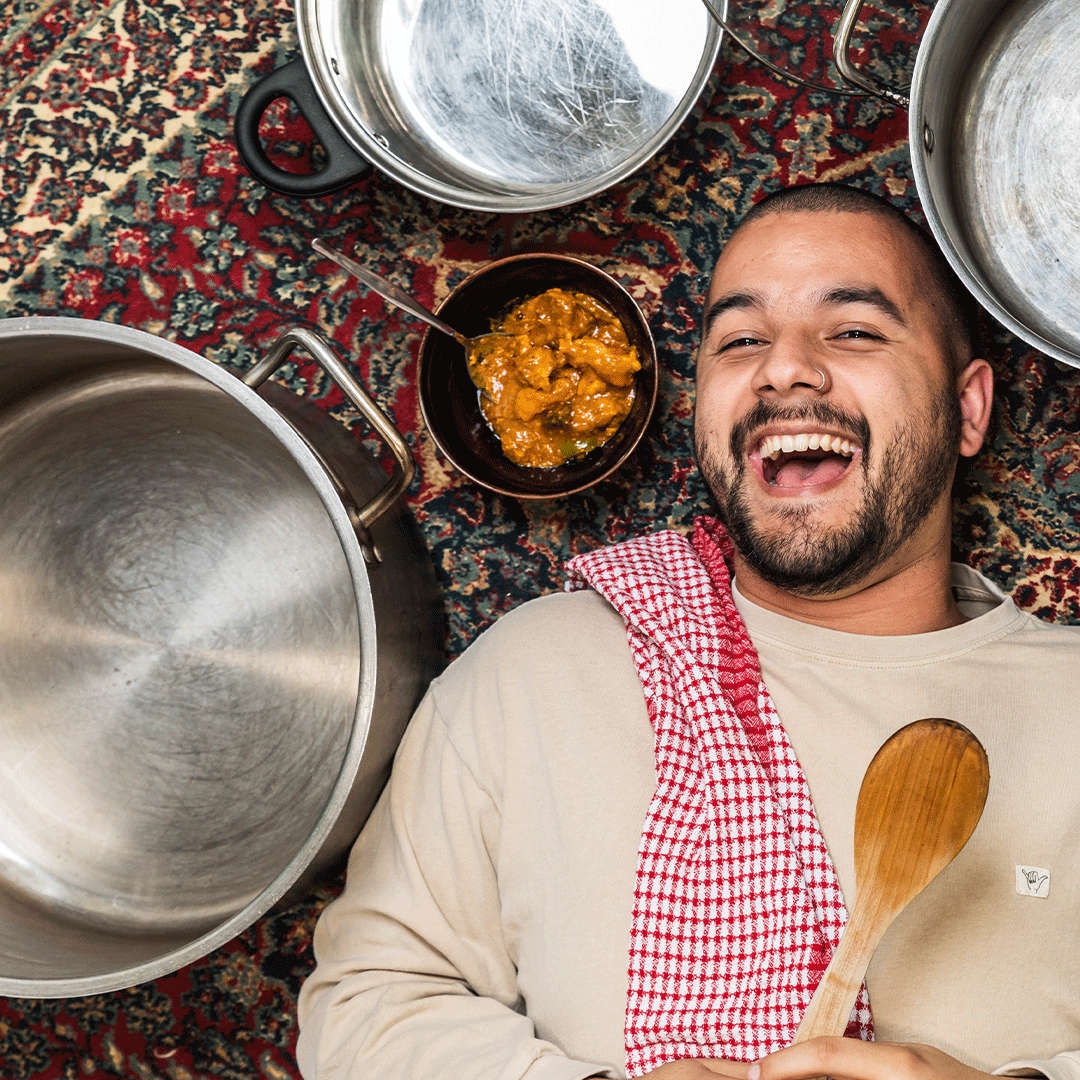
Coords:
1033,881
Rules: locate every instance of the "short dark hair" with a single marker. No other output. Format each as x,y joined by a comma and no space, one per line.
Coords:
957,307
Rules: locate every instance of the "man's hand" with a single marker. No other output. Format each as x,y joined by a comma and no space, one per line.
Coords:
853,1059
699,1069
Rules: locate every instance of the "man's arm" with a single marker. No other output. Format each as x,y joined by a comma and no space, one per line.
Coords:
414,976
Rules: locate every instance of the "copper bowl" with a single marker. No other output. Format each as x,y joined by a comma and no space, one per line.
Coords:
450,401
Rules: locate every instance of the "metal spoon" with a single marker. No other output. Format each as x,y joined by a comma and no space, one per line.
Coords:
403,300
920,801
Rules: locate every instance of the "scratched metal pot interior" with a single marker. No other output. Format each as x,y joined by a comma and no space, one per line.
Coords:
1012,219
994,120
507,106
188,649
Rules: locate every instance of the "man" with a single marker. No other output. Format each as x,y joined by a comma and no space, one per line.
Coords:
506,882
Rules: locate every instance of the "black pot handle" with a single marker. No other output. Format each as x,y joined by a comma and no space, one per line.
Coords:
343,164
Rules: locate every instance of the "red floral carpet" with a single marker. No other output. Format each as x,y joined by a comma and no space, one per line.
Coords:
123,199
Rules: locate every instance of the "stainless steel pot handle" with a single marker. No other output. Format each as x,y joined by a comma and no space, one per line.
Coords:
749,49
848,71
321,350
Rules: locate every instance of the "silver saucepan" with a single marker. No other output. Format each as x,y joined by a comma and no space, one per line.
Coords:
994,117
216,619
488,105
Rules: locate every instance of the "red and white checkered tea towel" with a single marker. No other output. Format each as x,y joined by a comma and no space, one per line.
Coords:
737,909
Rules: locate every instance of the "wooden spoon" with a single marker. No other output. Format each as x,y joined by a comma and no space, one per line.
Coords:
920,801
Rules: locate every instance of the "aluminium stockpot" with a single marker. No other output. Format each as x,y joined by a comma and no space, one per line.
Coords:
484,104
216,619
993,120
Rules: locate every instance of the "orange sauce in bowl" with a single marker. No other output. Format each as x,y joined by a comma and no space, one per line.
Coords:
556,378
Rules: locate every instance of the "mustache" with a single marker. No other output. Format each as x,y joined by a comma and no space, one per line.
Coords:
823,413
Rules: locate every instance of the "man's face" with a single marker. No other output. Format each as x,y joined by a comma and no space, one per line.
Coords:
820,488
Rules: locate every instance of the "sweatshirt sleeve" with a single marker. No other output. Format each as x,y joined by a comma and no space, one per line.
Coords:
413,975
1060,1067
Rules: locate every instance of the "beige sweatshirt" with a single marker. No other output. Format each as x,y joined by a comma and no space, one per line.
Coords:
484,927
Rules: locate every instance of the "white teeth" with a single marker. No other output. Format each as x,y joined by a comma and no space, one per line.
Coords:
772,446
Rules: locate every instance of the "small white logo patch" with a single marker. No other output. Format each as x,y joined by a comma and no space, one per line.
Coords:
1032,881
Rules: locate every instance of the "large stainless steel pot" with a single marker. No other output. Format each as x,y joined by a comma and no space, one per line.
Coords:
994,119
216,617
484,104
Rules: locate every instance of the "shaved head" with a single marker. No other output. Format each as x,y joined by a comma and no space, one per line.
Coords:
951,301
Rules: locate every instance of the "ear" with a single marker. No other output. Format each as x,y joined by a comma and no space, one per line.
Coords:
975,389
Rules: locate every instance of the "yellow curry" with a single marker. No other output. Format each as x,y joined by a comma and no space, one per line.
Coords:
560,382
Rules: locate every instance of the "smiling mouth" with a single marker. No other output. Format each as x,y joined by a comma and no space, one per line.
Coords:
806,458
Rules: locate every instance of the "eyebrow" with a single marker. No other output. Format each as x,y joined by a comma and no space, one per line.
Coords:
729,302
872,296
844,294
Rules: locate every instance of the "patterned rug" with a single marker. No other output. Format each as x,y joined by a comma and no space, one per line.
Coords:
123,199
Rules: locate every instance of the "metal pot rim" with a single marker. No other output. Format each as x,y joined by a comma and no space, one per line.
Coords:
924,141
81,329
323,71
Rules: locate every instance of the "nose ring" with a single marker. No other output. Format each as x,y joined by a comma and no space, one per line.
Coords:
820,385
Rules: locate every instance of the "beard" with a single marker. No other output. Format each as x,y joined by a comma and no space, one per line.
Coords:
800,556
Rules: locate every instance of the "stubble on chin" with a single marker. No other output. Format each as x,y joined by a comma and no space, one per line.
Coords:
793,550
790,547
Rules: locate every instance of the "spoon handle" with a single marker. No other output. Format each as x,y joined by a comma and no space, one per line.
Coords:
830,1007
387,291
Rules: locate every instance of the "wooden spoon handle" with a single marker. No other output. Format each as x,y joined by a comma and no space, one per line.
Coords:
830,1007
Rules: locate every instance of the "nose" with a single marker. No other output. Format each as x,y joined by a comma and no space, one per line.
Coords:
790,367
